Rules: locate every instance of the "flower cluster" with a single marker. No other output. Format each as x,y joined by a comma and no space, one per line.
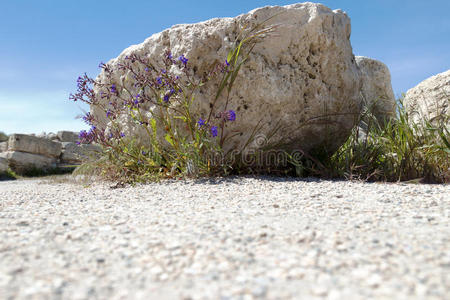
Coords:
158,99
229,115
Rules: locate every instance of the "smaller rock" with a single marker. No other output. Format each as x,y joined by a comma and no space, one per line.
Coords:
52,136
75,154
3,146
68,136
3,164
35,145
377,88
430,99
21,162
374,280
43,134
23,223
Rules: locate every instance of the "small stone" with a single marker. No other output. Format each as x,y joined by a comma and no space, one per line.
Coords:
156,270
23,223
374,280
320,290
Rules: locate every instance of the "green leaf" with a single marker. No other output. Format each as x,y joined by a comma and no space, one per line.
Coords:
169,139
153,124
444,139
222,86
237,52
181,118
233,77
230,56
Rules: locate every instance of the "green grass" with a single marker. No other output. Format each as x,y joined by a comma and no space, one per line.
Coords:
8,175
398,150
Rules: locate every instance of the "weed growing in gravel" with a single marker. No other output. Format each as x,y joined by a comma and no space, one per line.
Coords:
160,105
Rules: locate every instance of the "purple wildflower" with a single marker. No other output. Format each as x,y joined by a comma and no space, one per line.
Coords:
214,131
136,101
201,123
183,59
88,118
231,115
108,113
113,88
122,134
82,135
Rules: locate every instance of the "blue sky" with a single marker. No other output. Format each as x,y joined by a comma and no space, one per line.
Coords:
45,45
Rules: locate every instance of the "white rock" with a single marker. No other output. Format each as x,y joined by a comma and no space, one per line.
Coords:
68,136
42,135
22,161
3,146
35,145
52,136
377,88
430,98
296,77
3,164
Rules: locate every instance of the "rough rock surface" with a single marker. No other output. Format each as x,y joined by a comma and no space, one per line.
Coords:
67,136
304,72
74,154
3,146
23,161
430,98
234,238
52,136
3,164
33,144
377,88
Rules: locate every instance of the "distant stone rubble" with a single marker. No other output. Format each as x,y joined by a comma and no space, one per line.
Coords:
23,152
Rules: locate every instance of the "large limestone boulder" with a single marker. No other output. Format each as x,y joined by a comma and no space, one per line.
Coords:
75,154
430,99
304,78
20,162
376,88
33,144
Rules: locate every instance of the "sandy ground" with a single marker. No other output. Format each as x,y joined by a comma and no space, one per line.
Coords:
235,238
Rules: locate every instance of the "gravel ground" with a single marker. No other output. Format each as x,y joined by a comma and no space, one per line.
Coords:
235,238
